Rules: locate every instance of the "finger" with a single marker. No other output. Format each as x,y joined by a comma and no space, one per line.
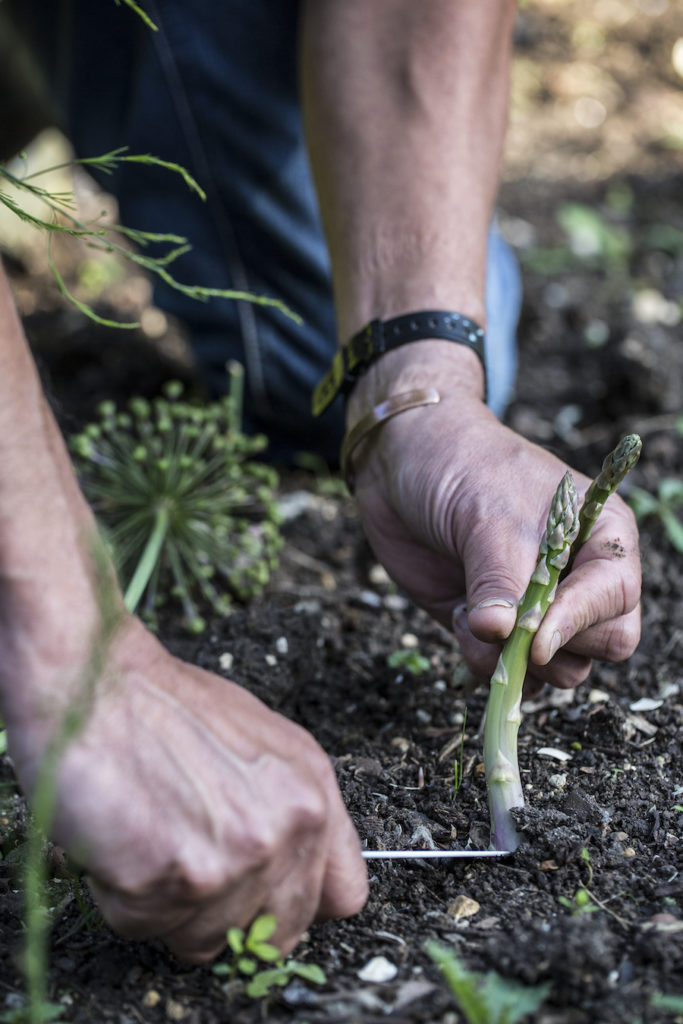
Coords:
345,882
594,593
613,641
137,918
566,670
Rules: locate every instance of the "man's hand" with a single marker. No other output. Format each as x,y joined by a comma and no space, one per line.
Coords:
454,503
193,808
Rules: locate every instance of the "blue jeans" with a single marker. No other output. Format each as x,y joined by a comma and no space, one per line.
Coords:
215,89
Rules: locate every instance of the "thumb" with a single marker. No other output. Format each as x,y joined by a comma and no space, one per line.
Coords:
492,598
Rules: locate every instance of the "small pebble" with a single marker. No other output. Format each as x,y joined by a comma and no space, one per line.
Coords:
423,717
401,743
395,603
378,576
378,969
409,640
151,998
558,781
462,907
271,660
440,685
226,661
282,645
175,1010
370,598
646,704
629,851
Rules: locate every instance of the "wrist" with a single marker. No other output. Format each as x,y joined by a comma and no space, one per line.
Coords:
430,363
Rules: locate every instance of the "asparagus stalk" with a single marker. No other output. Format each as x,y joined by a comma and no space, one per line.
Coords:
615,467
503,714
566,531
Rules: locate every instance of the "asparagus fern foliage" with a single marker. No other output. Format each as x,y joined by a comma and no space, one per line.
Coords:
567,529
152,251
187,510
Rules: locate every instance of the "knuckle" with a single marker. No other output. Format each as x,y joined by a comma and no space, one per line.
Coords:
568,672
623,638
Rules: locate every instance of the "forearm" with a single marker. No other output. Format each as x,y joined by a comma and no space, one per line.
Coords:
38,488
47,604
406,106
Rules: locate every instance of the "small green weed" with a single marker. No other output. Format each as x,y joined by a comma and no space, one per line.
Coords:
486,998
184,505
458,762
663,1002
409,660
664,507
251,949
581,902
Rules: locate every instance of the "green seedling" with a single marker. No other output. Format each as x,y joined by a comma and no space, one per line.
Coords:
252,949
459,761
409,660
593,239
185,507
664,507
567,529
663,1002
580,902
486,998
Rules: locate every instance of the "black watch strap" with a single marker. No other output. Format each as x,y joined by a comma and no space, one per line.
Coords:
380,336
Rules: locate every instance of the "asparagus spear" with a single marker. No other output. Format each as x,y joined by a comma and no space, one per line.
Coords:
615,467
503,710
566,532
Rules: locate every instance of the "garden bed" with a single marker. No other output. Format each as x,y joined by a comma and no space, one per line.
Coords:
600,356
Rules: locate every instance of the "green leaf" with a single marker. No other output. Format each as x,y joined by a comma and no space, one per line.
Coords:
642,502
462,983
309,972
486,999
673,527
261,984
673,1003
412,661
264,951
670,490
139,11
235,938
262,929
509,1001
246,965
44,1013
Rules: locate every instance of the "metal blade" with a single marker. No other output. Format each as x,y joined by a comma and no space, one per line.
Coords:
429,854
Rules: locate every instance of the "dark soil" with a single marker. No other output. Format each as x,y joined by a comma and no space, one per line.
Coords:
595,363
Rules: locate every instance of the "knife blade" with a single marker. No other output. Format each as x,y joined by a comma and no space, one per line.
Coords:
430,854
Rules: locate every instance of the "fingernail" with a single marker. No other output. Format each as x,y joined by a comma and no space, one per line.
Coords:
494,602
555,644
